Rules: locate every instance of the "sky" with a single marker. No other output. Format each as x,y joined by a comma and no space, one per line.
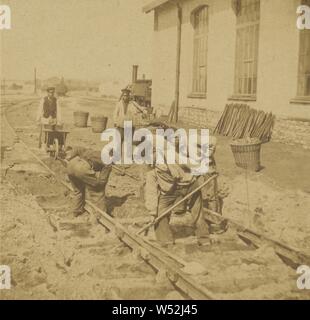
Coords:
79,39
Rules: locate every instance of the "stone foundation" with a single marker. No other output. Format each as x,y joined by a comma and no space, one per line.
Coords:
291,132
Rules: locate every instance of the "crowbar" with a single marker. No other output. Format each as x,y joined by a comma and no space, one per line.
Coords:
123,172
167,212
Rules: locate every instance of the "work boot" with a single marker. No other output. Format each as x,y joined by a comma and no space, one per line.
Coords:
204,242
166,245
75,214
75,223
219,228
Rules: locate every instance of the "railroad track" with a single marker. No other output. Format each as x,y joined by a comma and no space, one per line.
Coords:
256,267
165,263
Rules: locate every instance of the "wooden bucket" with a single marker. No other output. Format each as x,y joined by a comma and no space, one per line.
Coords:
99,123
80,119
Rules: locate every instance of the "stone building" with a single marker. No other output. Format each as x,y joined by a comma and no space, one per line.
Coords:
207,53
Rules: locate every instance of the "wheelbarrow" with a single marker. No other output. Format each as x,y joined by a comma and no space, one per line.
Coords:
55,140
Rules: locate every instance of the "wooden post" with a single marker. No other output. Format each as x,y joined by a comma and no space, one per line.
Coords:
178,63
4,88
35,81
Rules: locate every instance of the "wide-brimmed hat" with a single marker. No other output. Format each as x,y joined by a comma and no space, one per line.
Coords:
126,90
50,89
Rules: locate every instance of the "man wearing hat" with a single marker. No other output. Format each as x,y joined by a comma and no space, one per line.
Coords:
88,176
48,111
167,184
126,110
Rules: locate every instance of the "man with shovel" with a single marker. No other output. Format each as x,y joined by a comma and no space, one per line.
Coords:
169,185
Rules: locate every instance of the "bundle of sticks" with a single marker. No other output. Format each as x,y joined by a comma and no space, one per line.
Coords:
172,113
241,121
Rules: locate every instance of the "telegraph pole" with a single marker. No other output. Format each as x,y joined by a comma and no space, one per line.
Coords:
35,80
2,91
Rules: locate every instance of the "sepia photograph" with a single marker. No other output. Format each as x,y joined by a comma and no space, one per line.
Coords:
155,150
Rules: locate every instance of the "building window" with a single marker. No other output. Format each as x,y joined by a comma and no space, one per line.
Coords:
248,17
200,23
303,90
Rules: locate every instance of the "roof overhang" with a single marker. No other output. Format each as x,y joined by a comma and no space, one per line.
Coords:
153,5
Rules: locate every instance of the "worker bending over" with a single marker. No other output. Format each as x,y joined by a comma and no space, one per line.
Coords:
88,176
167,184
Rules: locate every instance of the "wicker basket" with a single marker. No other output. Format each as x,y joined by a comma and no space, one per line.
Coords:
247,154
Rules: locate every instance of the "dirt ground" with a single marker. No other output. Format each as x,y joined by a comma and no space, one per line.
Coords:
274,201
44,263
73,262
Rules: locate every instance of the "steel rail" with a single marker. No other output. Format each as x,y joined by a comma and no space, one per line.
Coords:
162,260
155,257
292,256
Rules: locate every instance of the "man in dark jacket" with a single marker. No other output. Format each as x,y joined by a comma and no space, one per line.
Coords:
48,112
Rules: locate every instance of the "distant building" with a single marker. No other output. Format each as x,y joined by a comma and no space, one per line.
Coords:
231,51
61,88
15,86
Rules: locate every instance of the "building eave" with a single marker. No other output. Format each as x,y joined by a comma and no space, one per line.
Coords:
153,5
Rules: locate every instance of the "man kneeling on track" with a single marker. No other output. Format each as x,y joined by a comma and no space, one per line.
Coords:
167,184
88,176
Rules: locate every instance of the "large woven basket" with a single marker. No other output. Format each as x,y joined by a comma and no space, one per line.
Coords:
247,154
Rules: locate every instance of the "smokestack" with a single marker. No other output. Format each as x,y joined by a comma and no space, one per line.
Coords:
134,73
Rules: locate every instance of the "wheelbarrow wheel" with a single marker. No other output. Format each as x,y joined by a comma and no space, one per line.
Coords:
56,148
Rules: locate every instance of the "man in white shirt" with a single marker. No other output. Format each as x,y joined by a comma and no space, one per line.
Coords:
126,110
